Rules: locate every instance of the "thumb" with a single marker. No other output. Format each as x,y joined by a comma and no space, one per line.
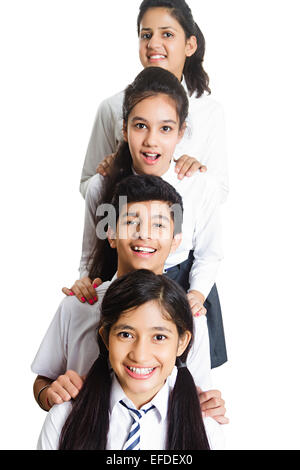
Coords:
97,282
67,291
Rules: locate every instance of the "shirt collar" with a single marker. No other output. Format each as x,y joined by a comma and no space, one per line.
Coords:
160,401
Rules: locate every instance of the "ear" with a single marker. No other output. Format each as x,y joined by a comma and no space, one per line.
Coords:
124,131
103,336
183,342
177,239
191,46
111,237
181,132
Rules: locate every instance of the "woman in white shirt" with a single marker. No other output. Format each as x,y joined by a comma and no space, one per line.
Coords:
168,38
155,108
129,399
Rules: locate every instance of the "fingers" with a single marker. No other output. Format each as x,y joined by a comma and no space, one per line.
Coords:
105,166
187,166
85,291
196,305
67,291
213,406
64,388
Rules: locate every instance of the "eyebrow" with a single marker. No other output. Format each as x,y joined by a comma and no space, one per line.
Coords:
160,27
136,214
165,121
130,328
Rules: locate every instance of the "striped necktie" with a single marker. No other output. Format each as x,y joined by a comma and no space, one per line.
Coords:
133,439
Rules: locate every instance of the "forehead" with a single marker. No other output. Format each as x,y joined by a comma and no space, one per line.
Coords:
149,209
160,17
147,316
159,107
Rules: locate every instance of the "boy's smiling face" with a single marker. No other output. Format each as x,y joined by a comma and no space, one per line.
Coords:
144,236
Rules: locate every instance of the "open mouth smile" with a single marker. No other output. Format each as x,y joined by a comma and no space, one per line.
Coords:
140,373
143,250
151,158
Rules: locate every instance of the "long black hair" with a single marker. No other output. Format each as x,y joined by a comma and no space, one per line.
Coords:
151,81
87,426
195,76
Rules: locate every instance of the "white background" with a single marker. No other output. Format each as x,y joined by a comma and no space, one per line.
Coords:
59,59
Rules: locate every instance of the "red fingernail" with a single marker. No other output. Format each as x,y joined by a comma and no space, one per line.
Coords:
83,299
95,299
94,286
71,293
91,302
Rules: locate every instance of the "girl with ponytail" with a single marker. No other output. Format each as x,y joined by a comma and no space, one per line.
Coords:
155,110
170,38
141,371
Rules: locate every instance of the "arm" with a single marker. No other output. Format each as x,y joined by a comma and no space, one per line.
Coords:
49,392
103,140
207,242
198,363
216,151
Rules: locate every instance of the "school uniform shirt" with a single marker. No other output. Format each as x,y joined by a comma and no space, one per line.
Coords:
201,228
203,139
71,342
153,425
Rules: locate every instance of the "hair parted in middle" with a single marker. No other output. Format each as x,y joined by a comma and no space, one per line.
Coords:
87,426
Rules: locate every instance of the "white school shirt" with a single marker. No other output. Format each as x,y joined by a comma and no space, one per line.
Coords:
203,139
201,228
153,425
71,342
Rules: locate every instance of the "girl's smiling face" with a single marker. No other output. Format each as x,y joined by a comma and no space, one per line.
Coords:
162,41
143,345
152,133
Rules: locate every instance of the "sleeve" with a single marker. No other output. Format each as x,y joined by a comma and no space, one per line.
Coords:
89,231
102,143
53,424
216,155
51,358
207,243
215,434
198,360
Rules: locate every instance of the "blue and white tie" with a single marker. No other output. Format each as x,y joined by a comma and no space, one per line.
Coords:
133,439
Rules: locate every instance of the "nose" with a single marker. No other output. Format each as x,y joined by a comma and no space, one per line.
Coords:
143,232
154,42
150,139
140,352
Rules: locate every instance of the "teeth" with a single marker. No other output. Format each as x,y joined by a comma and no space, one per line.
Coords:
158,56
142,371
144,249
151,154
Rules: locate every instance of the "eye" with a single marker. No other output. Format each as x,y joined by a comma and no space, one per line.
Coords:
125,335
158,225
166,128
145,36
141,125
168,34
160,338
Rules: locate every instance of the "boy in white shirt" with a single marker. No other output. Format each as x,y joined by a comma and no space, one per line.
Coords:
144,238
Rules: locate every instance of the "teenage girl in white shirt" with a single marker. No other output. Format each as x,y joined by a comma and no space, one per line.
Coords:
144,336
168,38
155,108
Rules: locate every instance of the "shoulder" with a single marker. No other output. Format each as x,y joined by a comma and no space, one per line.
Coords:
112,105
59,413
200,183
52,427
214,434
94,188
205,106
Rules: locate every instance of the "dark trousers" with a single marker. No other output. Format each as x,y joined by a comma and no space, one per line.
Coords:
218,353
